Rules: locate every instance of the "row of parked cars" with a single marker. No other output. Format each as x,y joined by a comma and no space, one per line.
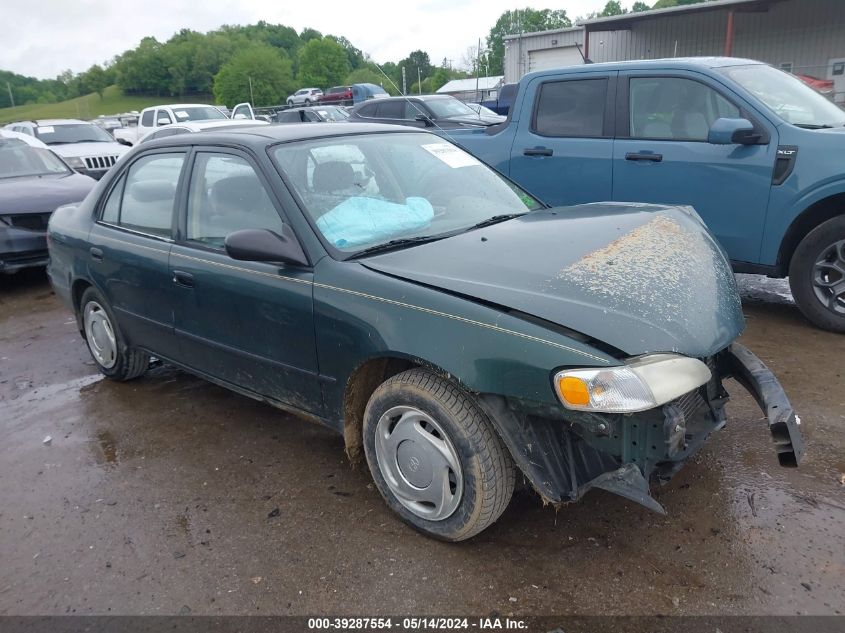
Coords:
338,95
422,289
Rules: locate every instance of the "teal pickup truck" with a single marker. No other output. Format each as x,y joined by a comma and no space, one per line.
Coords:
757,153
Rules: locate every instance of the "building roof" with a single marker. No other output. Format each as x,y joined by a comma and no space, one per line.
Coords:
465,85
626,19
567,29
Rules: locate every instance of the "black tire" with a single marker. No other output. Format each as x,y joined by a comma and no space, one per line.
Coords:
290,103
488,471
308,102
129,363
825,311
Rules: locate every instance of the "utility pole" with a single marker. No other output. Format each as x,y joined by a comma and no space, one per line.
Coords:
477,69
404,83
419,80
251,97
11,96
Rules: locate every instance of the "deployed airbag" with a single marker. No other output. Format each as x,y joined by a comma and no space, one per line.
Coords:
362,220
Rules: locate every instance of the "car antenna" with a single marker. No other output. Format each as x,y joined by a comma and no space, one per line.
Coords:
415,106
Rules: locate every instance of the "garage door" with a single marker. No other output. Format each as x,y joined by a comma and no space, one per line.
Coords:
554,58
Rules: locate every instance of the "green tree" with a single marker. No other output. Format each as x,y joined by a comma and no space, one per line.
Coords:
96,79
520,21
613,7
662,4
322,63
364,75
640,6
416,60
267,68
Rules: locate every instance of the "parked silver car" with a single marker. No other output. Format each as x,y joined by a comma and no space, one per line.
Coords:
86,147
305,96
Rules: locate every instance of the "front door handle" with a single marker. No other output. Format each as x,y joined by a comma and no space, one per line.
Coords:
180,278
646,156
96,254
538,151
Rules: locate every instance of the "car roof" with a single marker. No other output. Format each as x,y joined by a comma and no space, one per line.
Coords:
683,63
55,122
263,135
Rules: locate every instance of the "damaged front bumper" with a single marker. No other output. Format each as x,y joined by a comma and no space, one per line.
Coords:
564,453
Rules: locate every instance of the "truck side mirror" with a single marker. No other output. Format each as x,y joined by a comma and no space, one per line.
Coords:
163,121
733,132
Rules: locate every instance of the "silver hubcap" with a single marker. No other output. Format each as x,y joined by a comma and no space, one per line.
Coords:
419,463
99,334
829,278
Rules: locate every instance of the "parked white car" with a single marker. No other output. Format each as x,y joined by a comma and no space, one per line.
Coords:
305,96
87,148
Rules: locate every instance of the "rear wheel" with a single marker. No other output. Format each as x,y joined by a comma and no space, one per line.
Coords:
105,342
817,275
435,457
308,102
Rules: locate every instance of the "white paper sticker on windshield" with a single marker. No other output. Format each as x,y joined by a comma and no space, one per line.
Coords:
451,155
181,114
46,129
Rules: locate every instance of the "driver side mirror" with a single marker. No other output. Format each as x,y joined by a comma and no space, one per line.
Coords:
262,245
163,121
424,119
733,132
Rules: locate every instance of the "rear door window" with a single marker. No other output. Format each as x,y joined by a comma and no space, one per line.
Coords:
148,195
571,108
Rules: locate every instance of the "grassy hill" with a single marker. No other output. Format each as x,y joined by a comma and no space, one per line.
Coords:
89,106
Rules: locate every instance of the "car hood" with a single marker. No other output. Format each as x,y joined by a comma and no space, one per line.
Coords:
641,278
89,149
42,194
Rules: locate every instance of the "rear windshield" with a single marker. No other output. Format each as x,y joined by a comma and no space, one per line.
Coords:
72,133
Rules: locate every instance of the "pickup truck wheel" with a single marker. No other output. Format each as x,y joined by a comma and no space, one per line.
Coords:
105,342
817,275
435,457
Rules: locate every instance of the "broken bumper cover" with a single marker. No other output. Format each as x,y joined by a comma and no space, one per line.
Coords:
564,454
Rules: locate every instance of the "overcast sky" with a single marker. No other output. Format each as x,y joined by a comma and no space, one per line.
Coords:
43,38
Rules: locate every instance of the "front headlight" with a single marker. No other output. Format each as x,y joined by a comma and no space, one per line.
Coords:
642,384
75,162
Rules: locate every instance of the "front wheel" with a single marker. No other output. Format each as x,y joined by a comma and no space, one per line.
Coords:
817,275
435,456
105,342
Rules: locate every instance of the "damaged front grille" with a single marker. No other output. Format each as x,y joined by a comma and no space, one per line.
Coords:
27,221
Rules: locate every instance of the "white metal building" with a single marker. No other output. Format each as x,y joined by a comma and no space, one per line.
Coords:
803,36
473,89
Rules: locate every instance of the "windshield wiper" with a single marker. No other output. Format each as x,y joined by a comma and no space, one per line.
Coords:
495,220
397,243
814,126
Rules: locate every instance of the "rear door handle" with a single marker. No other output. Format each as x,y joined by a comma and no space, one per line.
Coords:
96,254
646,156
180,278
538,151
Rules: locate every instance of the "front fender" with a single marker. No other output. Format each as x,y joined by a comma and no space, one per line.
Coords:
362,314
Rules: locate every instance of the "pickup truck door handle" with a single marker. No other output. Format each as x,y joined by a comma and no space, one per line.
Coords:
538,151
646,156
96,254
180,278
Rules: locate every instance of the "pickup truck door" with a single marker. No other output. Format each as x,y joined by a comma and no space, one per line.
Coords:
563,147
661,154
243,111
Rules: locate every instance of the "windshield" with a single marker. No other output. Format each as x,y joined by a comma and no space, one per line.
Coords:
333,114
446,108
361,191
19,159
789,97
197,113
72,133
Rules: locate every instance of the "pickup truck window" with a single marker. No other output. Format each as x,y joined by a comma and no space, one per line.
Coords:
147,118
571,108
675,109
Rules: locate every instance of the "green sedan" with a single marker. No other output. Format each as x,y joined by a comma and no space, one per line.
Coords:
457,331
